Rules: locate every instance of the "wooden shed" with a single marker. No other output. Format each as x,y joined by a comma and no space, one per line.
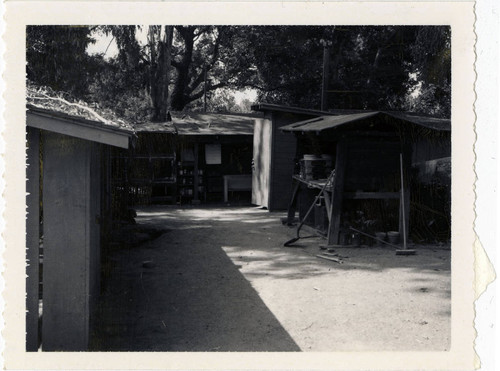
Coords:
274,154
195,157
68,206
364,150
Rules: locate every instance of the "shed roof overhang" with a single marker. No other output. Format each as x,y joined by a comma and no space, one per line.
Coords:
203,124
78,127
281,108
322,123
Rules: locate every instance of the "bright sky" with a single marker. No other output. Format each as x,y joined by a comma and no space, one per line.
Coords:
106,44
102,44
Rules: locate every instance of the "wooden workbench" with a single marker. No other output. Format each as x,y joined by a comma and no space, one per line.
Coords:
335,193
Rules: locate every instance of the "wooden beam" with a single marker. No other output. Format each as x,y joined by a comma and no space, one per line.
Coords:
371,195
337,195
406,200
196,181
292,205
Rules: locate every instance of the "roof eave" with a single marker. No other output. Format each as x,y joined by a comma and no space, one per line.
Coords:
262,107
79,127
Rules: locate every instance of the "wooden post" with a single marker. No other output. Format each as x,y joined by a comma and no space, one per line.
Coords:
32,238
337,194
324,85
196,179
404,208
292,205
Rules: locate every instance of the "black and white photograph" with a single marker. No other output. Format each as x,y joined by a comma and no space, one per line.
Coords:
222,189
239,188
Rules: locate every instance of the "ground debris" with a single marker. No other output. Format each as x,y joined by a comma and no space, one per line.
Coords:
308,327
336,260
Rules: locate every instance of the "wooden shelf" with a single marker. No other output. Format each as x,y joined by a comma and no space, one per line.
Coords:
359,195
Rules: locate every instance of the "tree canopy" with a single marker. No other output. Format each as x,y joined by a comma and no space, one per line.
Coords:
178,67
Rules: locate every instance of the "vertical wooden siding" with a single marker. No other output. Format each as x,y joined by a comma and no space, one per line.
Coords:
284,146
32,238
71,199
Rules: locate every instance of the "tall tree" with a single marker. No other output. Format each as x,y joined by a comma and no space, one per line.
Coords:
160,55
431,54
57,57
173,67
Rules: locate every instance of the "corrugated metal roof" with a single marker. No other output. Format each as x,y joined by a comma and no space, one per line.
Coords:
203,124
155,127
329,122
281,108
326,122
430,122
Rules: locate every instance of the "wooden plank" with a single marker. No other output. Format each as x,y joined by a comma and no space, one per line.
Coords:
93,229
66,189
328,204
32,238
371,195
282,165
196,181
79,130
406,216
292,206
337,194
336,260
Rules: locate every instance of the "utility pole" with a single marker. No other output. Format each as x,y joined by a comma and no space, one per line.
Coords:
326,65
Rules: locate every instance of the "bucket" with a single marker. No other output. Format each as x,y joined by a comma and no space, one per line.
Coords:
393,237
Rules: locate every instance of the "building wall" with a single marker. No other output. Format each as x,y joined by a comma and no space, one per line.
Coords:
261,171
71,207
284,148
32,238
426,149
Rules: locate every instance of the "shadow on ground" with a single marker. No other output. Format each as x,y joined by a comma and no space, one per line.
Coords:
221,280
181,292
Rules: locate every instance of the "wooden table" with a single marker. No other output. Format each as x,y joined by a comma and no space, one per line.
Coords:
241,182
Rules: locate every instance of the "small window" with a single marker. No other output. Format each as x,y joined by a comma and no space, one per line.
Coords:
213,154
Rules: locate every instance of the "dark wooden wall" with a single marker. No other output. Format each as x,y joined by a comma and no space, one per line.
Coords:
284,148
426,149
372,165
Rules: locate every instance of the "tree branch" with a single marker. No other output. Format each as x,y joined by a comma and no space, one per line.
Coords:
199,94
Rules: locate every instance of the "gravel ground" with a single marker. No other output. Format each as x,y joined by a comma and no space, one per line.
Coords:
219,279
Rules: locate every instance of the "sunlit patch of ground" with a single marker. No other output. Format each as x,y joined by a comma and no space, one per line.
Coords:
224,281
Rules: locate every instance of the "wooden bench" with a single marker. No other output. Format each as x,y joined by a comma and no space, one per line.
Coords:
237,183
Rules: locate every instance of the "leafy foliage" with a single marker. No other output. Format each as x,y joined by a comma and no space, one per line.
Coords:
57,57
370,67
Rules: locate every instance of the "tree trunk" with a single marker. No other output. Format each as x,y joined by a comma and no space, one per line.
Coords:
160,42
179,93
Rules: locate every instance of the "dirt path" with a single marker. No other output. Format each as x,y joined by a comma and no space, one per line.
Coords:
221,280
